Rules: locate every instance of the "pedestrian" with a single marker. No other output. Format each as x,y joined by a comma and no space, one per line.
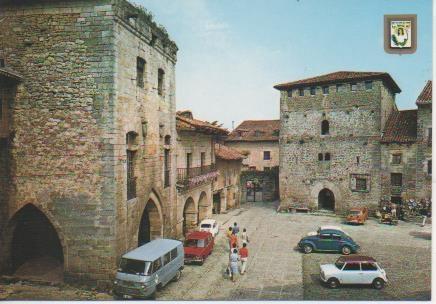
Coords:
234,246
233,241
244,236
229,235
235,228
243,253
424,218
394,211
233,262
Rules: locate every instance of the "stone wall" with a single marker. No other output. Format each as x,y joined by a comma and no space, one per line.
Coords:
255,151
70,117
423,179
355,119
407,168
150,115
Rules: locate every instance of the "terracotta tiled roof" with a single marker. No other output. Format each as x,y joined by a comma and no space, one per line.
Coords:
256,130
401,127
425,96
227,153
341,76
186,122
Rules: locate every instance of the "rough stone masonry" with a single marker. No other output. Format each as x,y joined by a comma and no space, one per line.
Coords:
89,88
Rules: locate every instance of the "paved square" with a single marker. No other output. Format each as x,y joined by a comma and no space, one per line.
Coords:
277,271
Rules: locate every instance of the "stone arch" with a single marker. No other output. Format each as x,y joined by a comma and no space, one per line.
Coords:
151,223
203,206
33,241
326,199
319,186
189,216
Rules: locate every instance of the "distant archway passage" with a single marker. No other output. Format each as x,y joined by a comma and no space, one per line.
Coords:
203,207
326,200
35,243
189,216
150,226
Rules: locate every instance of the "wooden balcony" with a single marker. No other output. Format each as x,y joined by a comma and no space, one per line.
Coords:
190,177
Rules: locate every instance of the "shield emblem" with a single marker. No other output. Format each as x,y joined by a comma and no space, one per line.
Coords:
401,34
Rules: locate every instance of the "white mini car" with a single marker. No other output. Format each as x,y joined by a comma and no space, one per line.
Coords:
209,225
326,228
354,269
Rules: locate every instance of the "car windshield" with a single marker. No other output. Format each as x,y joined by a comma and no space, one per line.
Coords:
205,225
133,266
339,264
194,243
355,212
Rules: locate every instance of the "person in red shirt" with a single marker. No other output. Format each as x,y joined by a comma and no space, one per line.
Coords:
243,253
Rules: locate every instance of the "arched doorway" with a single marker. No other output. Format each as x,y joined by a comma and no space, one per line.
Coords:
150,227
36,250
326,200
189,216
203,207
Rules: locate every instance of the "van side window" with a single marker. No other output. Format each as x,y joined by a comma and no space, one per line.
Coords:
167,258
173,254
157,265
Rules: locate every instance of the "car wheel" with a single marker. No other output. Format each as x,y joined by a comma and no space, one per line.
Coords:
307,248
333,283
378,283
177,276
346,250
202,261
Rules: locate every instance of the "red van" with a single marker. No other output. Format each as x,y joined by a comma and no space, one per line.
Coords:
198,246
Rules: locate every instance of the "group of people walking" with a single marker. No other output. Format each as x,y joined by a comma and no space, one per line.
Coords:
238,243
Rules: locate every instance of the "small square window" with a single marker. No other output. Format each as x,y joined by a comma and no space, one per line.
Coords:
339,87
327,157
368,85
354,86
266,155
396,159
325,90
361,184
290,93
312,91
301,92
320,157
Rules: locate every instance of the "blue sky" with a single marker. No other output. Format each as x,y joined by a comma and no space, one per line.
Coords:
232,52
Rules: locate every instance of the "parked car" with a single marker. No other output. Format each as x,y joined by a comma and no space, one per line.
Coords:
326,228
198,246
354,269
357,215
329,240
147,268
210,225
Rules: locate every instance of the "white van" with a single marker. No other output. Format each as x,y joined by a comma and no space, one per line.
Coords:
149,267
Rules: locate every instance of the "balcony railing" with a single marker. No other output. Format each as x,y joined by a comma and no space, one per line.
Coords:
186,175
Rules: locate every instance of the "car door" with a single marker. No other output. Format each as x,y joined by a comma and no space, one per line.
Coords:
351,273
369,272
324,242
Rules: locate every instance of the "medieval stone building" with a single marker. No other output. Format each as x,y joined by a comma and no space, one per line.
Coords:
196,169
87,98
406,152
332,152
258,140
